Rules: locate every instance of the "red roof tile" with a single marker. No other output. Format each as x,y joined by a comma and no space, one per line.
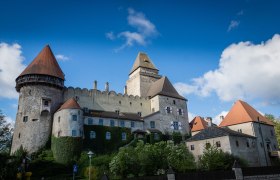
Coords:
70,104
242,112
198,124
45,64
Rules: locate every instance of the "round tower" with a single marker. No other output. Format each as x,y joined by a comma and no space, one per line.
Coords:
40,88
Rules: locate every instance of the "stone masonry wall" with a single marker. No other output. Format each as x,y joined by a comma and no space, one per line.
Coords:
35,132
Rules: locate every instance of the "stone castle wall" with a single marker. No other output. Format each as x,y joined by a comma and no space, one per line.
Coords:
108,101
35,132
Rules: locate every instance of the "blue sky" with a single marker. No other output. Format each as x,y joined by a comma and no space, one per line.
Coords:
214,52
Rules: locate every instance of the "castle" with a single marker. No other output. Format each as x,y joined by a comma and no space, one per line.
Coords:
150,104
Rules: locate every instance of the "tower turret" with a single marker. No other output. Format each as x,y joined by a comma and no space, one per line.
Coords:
40,88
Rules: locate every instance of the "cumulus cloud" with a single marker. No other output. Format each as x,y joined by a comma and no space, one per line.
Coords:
245,71
10,67
233,24
61,57
145,30
217,119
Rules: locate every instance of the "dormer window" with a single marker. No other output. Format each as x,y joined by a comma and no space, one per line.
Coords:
146,61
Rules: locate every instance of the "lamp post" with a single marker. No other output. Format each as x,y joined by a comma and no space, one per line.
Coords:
90,154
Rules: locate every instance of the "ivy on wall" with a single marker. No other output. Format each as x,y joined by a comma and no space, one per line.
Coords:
66,149
100,144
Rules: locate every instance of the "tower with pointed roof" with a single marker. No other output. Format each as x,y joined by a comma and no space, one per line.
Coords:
141,76
40,88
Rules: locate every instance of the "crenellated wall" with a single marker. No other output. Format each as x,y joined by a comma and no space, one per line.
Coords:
108,100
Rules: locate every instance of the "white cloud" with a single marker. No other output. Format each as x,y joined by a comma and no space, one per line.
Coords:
217,119
246,70
10,67
145,30
61,57
185,89
233,24
10,121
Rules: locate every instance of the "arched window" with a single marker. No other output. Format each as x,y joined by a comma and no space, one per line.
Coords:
92,135
123,136
108,135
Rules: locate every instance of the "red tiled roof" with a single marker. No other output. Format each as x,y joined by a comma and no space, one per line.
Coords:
70,104
242,112
198,124
45,64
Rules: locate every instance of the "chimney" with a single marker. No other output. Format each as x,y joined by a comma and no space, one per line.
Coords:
125,89
107,86
209,121
95,85
222,118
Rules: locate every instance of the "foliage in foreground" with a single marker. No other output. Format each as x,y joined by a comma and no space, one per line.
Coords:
6,132
151,159
214,158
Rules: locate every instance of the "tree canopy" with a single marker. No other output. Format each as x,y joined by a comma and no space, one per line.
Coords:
276,126
6,132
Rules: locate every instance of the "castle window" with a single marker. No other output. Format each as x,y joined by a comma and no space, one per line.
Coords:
122,123
92,135
174,102
130,103
156,136
152,124
112,123
25,118
239,130
108,135
192,147
176,125
139,113
74,133
58,119
140,104
34,120
117,111
90,121
237,143
180,112
19,135
100,122
120,102
123,136
132,124
247,143
218,144
74,117
207,145
46,103
168,110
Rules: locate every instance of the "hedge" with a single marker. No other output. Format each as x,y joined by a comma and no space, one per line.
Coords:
100,144
66,149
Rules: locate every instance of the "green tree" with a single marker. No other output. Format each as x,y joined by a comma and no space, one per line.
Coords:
6,132
276,126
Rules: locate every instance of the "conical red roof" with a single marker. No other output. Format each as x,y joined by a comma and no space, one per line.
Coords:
70,104
242,112
45,64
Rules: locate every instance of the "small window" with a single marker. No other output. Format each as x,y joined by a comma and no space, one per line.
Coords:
58,134
130,103
152,124
100,122
112,123
74,117
174,102
123,136
74,133
237,143
108,135
192,147
180,112
34,119
92,135
19,135
139,113
156,136
141,104
176,125
25,118
207,145
90,121
271,132
218,144
132,124
122,123
58,119
247,144
120,102
168,110
46,103
117,111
